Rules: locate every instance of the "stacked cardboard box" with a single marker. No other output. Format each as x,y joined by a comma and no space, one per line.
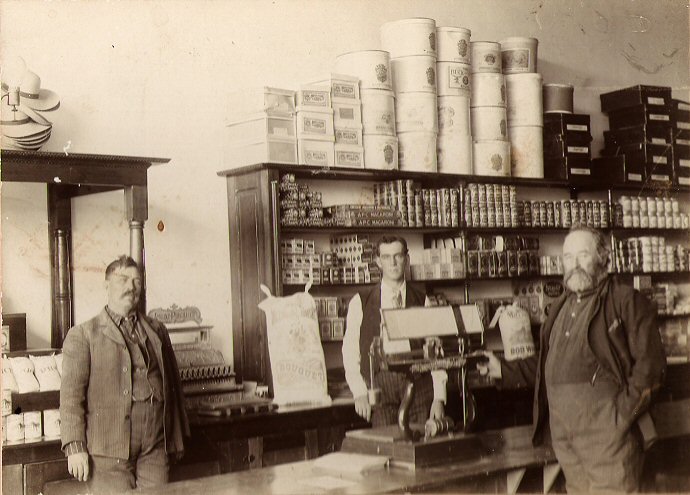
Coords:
315,135
640,132
567,146
680,120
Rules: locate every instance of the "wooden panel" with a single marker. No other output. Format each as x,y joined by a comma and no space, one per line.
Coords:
35,401
12,479
17,324
37,474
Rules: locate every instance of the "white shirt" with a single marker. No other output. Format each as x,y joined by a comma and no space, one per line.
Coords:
351,355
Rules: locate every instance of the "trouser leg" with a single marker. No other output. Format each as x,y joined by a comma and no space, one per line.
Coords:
152,461
110,476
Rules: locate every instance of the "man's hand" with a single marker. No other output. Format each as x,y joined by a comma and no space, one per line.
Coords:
78,465
492,368
362,407
438,410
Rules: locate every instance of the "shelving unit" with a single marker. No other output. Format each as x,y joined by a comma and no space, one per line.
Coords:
256,231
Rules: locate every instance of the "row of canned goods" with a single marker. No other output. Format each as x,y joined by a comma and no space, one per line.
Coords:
420,207
508,263
649,254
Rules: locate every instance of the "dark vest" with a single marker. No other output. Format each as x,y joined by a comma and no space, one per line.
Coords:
371,320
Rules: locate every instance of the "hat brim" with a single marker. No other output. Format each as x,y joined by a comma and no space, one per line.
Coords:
24,130
35,139
47,100
9,143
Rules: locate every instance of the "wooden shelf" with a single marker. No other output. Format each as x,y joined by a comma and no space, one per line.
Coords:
35,401
335,230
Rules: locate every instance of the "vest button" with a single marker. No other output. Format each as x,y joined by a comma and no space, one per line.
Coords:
124,369
126,392
126,417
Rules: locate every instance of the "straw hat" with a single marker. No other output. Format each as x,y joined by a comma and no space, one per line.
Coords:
33,96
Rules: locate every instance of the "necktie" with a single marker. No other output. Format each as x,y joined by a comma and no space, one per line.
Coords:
397,300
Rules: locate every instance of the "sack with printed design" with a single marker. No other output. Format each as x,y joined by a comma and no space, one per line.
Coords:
8,381
516,332
294,346
23,371
46,372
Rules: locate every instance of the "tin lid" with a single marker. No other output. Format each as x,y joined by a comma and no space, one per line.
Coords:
519,39
485,44
558,85
453,29
362,52
410,20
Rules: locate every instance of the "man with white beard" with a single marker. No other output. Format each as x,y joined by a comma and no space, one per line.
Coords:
600,359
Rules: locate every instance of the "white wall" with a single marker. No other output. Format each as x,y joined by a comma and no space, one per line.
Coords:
152,78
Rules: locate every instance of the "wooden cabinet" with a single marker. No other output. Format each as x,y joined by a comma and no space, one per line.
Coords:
255,233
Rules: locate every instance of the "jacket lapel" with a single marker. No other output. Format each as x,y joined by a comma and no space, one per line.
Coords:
152,335
109,329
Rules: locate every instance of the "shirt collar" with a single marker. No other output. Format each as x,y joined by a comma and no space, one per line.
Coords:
387,289
118,318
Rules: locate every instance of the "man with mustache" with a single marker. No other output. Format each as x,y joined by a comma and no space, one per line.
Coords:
121,405
600,359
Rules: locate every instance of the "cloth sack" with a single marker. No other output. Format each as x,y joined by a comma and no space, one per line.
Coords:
294,346
46,372
8,381
23,371
516,332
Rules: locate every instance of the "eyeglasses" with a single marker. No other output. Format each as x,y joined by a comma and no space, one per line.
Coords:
399,257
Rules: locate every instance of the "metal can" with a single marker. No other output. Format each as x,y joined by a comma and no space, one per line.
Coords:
527,213
557,221
498,208
472,263
604,214
481,193
522,262
566,217
543,219
483,216
550,216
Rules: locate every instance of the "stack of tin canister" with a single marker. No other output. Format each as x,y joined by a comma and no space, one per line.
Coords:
640,134
649,254
453,70
314,120
525,119
680,119
491,148
491,205
412,47
347,119
567,135
372,67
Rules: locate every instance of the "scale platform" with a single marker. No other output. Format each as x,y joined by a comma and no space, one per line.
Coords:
389,441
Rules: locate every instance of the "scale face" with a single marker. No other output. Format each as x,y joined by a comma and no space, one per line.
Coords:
419,322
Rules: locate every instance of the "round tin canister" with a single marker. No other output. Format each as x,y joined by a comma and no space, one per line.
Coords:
6,402
558,98
378,112
519,55
454,114
485,56
488,90
417,151
372,67
416,112
453,44
15,427
527,151
452,79
491,158
414,74
489,123
380,152
454,153
406,37
524,99
33,425
51,422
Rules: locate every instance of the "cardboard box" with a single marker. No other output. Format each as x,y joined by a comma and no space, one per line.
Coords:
317,96
570,168
656,159
557,147
638,134
315,125
640,115
316,153
347,114
635,95
350,156
575,124
272,101
617,170
537,296
273,150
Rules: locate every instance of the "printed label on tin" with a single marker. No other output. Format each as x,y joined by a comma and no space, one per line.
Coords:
578,149
685,142
658,140
381,73
314,126
576,127
316,157
346,113
343,90
659,159
685,181
658,116
684,163
655,100
280,131
683,125
388,154
516,60
348,158
580,171
458,77
635,177
347,136
463,48
660,177
315,98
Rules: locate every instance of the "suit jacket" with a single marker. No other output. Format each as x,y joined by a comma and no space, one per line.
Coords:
623,335
96,390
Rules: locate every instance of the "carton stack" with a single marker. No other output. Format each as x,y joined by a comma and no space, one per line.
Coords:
315,135
680,120
638,142
347,119
262,127
567,146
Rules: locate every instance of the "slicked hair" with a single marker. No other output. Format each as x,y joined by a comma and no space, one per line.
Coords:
390,239
123,261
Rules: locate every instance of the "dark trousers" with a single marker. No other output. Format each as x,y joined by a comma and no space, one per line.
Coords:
147,464
393,387
595,450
